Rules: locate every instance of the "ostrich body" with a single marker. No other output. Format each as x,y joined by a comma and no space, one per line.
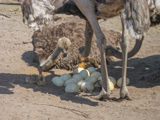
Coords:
46,40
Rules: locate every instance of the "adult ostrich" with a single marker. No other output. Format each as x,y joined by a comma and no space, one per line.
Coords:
135,20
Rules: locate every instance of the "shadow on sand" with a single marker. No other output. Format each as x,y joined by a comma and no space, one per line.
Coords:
27,57
8,81
143,73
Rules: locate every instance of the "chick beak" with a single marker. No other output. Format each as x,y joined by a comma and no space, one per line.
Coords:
64,53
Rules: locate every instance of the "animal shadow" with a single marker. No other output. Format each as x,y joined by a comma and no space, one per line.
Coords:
142,72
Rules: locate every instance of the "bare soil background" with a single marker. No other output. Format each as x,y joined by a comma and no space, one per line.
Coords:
22,101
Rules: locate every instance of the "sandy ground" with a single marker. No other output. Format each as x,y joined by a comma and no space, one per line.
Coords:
22,101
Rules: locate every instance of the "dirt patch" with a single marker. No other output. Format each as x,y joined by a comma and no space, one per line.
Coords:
22,101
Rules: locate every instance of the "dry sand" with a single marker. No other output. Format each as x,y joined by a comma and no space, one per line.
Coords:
22,101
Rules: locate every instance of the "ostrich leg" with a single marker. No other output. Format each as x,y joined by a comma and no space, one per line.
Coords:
46,65
85,50
124,94
135,18
88,39
87,7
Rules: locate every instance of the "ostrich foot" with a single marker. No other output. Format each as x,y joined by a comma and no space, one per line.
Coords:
41,81
102,95
86,62
124,94
31,79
